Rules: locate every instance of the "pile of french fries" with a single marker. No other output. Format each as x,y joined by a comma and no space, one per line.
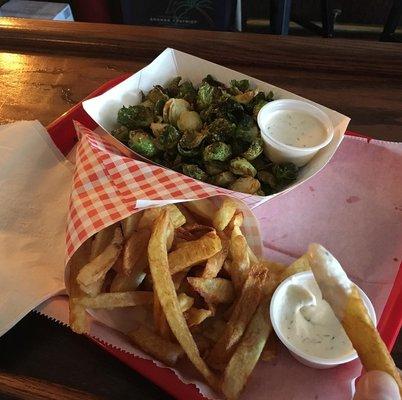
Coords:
190,266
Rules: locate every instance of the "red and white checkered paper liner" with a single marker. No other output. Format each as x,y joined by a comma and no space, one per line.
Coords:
108,187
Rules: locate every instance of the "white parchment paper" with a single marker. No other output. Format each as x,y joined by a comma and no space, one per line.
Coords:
354,208
35,182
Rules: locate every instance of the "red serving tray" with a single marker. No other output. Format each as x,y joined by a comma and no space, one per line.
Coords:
63,134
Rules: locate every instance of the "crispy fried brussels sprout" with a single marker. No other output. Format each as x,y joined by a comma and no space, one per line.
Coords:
170,158
192,139
168,138
243,85
226,108
217,151
173,108
232,110
261,162
267,177
259,96
254,150
187,92
172,88
239,147
223,179
121,133
189,121
189,145
285,172
257,107
247,130
240,166
157,128
195,172
215,167
246,185
208,132
213,82
269,96
158,107
220,130
156,94
147,104
142,143
246,97
188,153
135,116
205,96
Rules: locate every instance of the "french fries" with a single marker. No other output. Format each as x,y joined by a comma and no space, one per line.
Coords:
204,209
300,265
113,300
252,343
164,289
247,353
185,302
240,265
224,214
215,290
150,214
242,313
213,328
190,268
130,224
271,348
194,252
102,240
77,316
215,263
123,283
160,322
155,345
135,250
187,214
195,316
96,269
237,220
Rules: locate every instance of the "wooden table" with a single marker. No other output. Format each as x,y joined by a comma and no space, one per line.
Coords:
46,67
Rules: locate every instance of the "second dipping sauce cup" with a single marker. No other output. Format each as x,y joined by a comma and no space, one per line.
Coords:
305,358
279,152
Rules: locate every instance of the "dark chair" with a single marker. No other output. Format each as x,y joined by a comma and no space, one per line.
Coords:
280,17
394,16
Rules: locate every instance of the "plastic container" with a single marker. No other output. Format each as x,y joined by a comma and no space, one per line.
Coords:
279,152
301,356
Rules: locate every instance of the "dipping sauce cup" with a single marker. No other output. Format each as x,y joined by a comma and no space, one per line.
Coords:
307,326
293,131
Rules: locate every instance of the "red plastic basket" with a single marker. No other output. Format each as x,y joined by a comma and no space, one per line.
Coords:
63,134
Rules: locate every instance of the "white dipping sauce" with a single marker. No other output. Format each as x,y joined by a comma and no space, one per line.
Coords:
308,322
295,128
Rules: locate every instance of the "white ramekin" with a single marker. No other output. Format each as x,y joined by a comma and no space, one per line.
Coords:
279,152
304,358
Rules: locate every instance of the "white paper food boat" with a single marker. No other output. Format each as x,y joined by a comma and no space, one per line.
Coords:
170,63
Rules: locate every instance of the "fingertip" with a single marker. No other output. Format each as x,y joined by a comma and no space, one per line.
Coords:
377,385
